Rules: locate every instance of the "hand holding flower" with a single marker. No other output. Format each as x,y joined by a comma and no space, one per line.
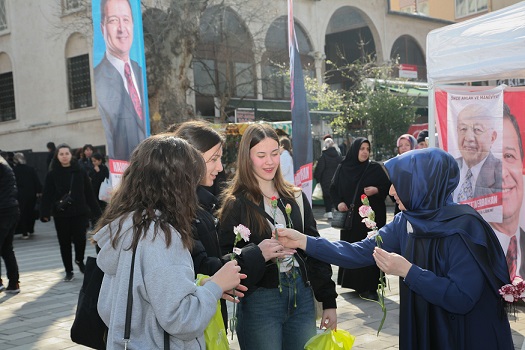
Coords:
228,277
291,238
271,249
391,263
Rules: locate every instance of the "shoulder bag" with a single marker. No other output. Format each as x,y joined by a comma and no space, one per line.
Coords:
88,328
63,203
342,220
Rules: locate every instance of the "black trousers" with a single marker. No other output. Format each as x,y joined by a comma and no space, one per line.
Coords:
71,230
7,231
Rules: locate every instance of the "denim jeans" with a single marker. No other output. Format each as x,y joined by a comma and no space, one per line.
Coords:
268,319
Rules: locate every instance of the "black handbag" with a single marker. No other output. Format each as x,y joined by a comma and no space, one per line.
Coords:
343,220
63,203
88,328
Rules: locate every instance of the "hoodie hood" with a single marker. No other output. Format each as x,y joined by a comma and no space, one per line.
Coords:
108,262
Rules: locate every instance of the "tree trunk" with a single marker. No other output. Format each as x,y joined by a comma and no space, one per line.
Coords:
170,37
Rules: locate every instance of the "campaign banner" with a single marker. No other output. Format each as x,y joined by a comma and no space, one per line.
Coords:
484,128
120,76
302,143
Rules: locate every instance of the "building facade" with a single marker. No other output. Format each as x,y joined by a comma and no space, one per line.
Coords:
46,73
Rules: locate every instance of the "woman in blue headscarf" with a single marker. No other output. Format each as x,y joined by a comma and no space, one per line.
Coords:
449,259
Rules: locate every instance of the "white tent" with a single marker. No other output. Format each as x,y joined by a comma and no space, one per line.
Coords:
488,47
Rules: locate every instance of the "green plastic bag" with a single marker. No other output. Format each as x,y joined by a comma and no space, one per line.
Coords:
331,340
215,333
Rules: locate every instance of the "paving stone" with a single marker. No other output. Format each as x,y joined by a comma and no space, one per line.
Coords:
40,317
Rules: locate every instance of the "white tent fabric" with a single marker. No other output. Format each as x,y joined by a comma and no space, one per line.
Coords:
488,47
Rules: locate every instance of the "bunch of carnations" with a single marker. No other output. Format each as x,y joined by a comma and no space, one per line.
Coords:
369,217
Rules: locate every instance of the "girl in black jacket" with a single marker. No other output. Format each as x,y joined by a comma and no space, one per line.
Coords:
70,216
206,252
278,310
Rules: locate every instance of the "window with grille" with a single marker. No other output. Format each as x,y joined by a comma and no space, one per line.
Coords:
3,16
7,97
79,82
71,5
470,7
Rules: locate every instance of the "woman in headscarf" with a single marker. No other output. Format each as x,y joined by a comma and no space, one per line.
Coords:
449,259
405,143
359,175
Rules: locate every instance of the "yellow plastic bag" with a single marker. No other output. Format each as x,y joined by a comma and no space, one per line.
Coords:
215,333
331,340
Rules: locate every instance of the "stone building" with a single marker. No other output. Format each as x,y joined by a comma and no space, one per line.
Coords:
46,72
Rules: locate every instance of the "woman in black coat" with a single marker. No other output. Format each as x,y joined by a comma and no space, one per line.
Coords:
98,174
66,176
359,175
324,172
29,187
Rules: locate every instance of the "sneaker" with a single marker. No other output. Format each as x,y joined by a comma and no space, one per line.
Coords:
2,287
328,215
81,266
13,288
70,276
25,235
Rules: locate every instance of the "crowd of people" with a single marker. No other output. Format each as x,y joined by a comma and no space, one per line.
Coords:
447,256
71,179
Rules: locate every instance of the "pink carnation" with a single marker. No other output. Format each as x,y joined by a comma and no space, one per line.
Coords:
369,223
242,231
365,210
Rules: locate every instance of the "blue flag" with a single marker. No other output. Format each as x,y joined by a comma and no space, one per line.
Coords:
302,143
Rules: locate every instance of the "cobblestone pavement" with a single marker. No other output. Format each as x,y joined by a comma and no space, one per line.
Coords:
41,315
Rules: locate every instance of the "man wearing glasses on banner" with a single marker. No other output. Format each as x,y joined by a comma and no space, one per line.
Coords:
480,170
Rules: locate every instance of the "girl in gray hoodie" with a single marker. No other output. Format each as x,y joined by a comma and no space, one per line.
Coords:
151,213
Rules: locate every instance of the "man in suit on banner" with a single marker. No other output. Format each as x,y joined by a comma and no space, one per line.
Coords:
119,83
510,235
480,170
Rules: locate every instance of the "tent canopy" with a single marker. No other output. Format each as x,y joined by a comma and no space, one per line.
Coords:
488,47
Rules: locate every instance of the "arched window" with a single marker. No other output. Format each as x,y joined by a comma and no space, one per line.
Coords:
7,89
276,58
223,65
78,72
348,39
407,51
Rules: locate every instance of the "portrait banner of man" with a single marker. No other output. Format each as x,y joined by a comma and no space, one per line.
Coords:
511,231
120,77
473,123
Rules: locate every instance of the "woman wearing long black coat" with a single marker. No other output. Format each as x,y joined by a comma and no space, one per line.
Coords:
29,187
359,175
324,173
71,222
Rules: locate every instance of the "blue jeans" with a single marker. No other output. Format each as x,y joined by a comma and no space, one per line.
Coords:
267,319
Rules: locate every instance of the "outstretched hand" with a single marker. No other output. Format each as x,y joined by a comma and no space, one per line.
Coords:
291,238
391,263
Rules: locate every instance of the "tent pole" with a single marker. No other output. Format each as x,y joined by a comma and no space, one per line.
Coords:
431,117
